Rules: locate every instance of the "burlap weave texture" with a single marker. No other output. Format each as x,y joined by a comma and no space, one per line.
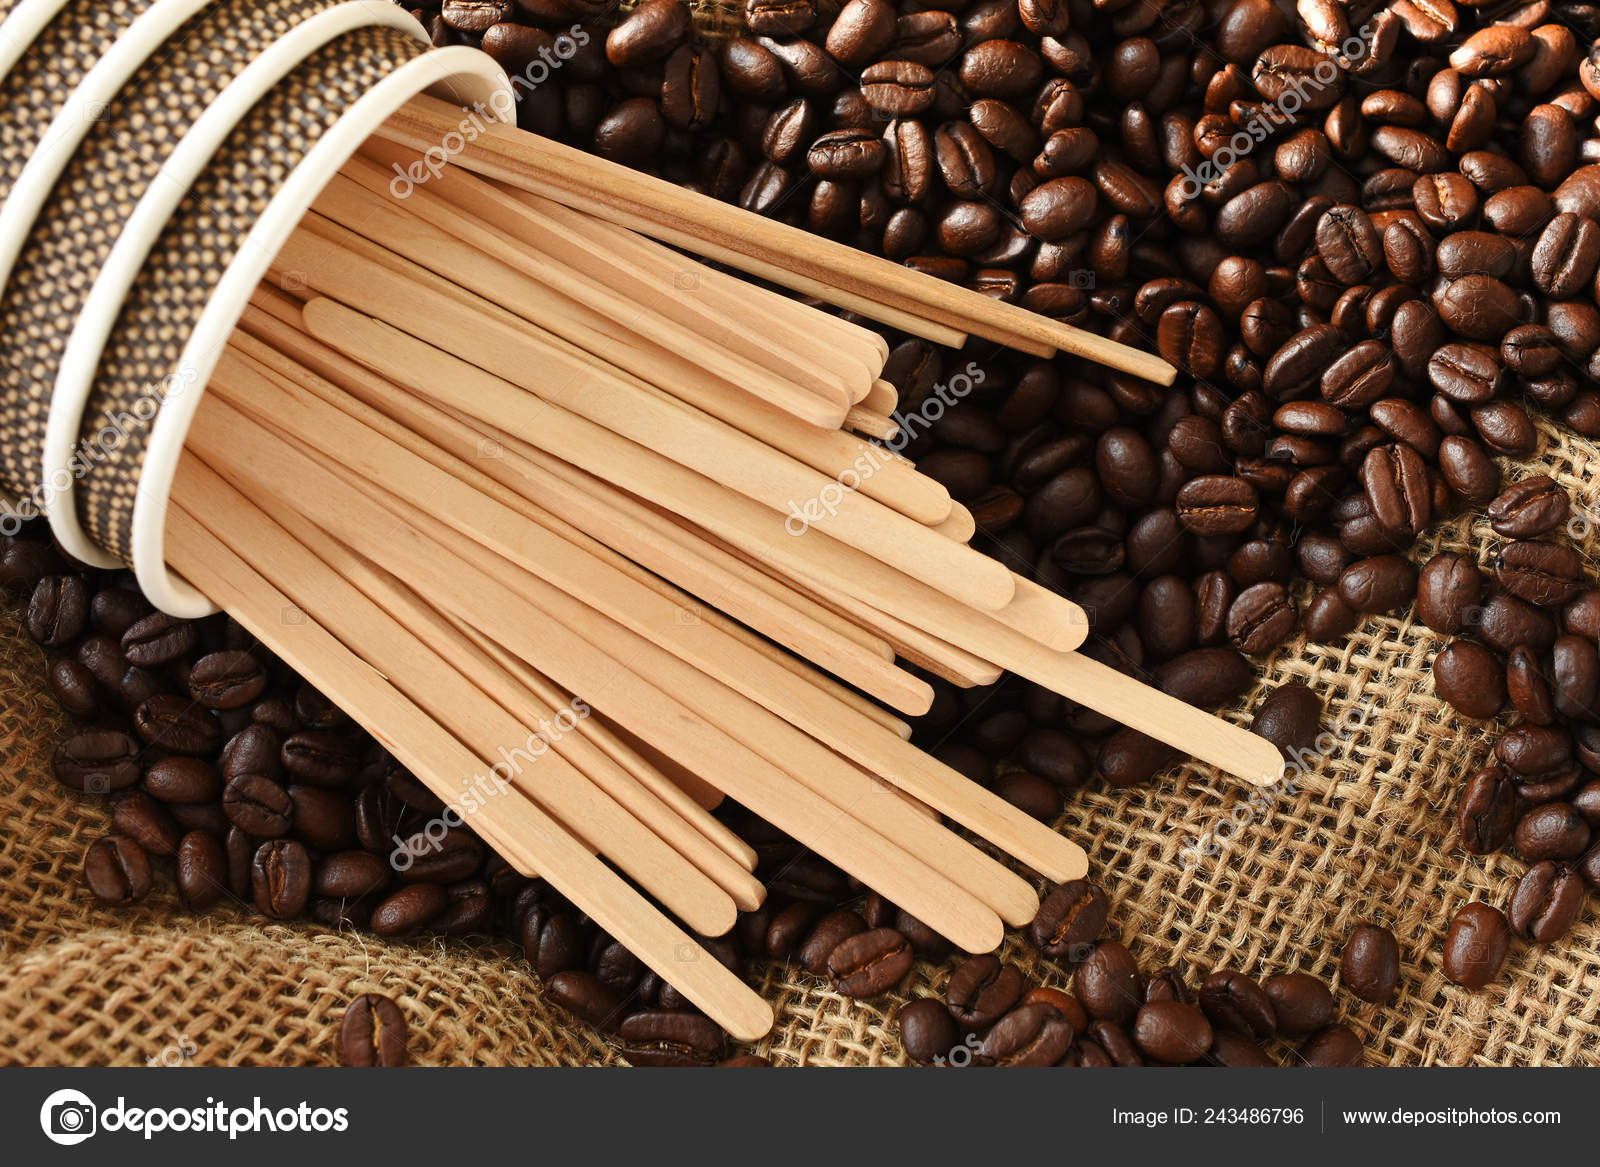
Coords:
1368,835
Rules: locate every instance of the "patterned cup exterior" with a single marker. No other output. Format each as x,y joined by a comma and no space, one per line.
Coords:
49,70
116,164
174,323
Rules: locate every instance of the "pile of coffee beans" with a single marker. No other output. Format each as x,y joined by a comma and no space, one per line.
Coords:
1526,642
1367,236
991,1016
222,764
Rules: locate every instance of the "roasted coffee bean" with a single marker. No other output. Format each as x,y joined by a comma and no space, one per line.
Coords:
826,935
1056,209
148,823
898,88
1301,1003
1381,583
373,1032
870,963
1108,984
97,762
183,780
1575,672
1566,255
1359,377
201,870
1529,508
1546,902
117,870
1469,374
158,639
1217,505
320,757
1468,470
1349,244
58,610
409,909
1070,919
227,680
586,997
1547,574
1263,616
981,991
1397,486
280,878
1290,717
1370,964
1449,590
1030,1035
1475,946
1172,1033
1528,687
670,1038
257,804
653,30
1334,1046
1470,678
176,724
350,875
927,1031
1552,831
1235,1002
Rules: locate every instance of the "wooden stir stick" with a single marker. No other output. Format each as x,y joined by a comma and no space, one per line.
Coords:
601,188
408,549
587,390
518,830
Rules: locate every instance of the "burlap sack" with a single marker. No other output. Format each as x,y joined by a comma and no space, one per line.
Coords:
1368,835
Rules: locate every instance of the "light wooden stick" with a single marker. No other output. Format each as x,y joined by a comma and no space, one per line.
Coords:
512,471
863,421
560,788
409,548
737,520
569,175
835,644
895,482
697,787
605,738
651,618
702,444
960,526
567,302
882,398
520,700
519,831
785,342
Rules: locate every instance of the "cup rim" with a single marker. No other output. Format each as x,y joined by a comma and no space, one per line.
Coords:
19,210
66,131
465,75
22,27
75,377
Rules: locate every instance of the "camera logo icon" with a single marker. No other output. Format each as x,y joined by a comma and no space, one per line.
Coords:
68,1117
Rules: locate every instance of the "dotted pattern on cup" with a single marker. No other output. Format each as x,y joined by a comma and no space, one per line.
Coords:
141,362
112,170
44,79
